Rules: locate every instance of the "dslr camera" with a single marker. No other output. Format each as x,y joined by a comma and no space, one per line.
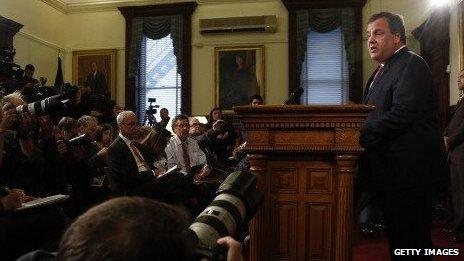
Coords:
236,201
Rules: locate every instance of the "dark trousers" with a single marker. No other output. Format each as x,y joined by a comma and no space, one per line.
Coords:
408,218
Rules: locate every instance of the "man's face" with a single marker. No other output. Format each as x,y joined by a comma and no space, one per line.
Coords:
182,129
94,67
164,114
461,81
381,43
217,114
129,127
28,73
90,128
194,126
256,102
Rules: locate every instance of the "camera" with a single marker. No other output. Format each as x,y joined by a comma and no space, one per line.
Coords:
49,105
150,113
237,201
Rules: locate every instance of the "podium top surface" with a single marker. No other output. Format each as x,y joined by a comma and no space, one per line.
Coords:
266,109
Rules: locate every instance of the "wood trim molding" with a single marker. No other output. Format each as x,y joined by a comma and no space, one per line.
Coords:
306,4
186,9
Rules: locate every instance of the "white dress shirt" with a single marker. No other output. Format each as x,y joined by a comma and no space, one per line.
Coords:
175,156
140,164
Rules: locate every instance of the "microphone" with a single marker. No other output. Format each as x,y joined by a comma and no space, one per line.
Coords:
294,96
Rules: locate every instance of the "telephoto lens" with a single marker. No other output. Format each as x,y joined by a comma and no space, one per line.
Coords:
237,200
45,106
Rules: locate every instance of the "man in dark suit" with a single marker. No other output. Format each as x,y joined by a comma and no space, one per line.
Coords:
130,163
96,81
404,154
454,141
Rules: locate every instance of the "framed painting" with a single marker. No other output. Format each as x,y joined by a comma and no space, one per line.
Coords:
239,74
92,62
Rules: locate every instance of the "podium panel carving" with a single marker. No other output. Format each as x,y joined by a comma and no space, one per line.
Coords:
304,157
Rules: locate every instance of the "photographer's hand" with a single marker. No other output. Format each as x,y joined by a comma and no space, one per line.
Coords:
27,121
61,147
9,117
46,125
234,252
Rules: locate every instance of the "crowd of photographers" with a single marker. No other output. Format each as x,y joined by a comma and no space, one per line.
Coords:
52,154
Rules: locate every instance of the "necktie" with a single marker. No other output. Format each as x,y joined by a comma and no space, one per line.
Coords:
139,155
186,156
377,75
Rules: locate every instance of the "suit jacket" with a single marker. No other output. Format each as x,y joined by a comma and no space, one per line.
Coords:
124,173
97,83
455,129
404,147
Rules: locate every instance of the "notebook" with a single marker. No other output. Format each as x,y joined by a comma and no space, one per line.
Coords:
43,201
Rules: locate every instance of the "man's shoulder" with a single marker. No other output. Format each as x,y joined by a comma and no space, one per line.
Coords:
116,145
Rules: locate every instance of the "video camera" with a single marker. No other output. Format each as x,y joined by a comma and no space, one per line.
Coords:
150,113
237,201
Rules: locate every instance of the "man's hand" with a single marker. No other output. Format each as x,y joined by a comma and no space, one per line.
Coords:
61,147
234,252
204,173
47,126
103,154
9,117
27,121
13,200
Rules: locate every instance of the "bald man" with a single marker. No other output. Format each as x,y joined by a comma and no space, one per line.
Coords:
130,162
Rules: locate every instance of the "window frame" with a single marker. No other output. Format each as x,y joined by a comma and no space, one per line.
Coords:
355,94
186,10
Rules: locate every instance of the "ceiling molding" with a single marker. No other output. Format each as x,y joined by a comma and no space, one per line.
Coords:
59,5
85,6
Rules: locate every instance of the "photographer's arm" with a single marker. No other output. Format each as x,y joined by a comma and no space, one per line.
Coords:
234,252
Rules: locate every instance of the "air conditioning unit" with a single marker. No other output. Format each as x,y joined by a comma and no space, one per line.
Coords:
266,23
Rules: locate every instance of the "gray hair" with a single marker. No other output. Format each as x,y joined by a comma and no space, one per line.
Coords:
13,96
83,120
122,115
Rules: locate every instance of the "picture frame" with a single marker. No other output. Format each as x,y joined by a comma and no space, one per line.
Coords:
106,64
239,74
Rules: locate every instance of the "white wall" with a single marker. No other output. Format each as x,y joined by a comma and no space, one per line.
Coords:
41,39
47,32
203,54
99,30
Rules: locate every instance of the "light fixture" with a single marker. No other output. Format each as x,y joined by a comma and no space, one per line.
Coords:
439,3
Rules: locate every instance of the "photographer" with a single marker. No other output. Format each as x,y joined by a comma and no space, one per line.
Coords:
133,229
22,161
82,162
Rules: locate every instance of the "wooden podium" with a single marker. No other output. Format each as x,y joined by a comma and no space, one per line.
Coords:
304,157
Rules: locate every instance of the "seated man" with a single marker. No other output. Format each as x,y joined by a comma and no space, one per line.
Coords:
129,162
133,229
182,150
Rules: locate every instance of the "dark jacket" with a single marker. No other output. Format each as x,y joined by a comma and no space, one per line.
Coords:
404,147
124,173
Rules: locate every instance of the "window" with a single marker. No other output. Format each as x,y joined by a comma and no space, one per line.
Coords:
325,74
162,81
